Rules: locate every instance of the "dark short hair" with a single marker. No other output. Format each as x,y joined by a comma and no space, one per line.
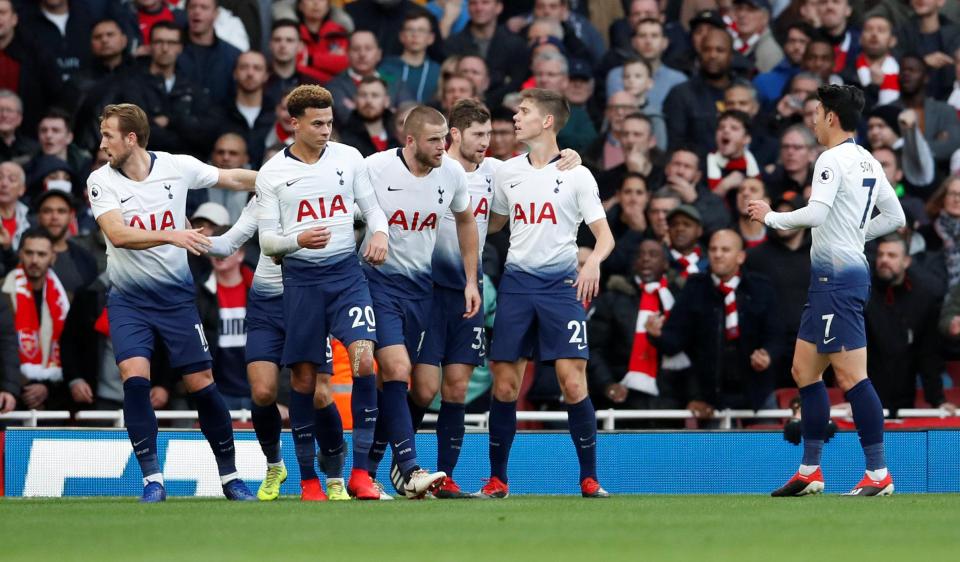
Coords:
685,148
896,238
648,21
846,102
168,25
36,232
366,80
549,103
501,113
633,176
736,115
802,27
285,22
466,112
59,113
636,115
417,14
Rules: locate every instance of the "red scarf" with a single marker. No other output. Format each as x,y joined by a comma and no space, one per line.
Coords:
731,321
719,167
36,362
840,52
890,86
641,374
282,134
687,263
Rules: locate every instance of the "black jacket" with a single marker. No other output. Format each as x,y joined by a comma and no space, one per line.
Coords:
696,326
9,350
355,134
903,341
789,272
71,51
39,82
948,38
385,21
690,111
256,136
210,67
507,60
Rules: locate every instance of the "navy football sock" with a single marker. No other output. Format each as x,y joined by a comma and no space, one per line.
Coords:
503,427
582,420
814,417
399,426
380,440
217,427
363,406
141,425
329,429
868,416
267,425
416,413
302,428
450,432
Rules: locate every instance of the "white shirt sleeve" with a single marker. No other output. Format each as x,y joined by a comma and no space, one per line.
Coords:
500,204
239,233
196,174
588,197
826,180
366,199
814,214
461,195
102,198
268,210
891,213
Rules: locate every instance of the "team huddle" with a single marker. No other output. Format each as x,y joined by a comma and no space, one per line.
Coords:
410,298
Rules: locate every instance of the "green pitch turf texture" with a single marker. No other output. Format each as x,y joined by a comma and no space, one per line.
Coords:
636,528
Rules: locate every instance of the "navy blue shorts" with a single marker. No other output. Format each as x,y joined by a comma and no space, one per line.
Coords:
400,321
135,328
833,320
265,333
452,339
342,309
554,323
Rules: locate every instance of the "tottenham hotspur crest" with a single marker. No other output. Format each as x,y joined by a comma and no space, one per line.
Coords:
557,189
440,193
168,187
340,175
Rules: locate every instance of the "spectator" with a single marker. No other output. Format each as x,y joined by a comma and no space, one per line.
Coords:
834,16
580,26
450,14
885,126
784,259
683,176
475,68
770,84
50,172
752,232
180,112
732,162
661,204
789,110
368,129
685,227
624,364
25,69
229,152
208,60
385,18
637,80
606,151
792,175
642,157
74,266
40,306
13,212
912,206
729,370
820,60
628,222
56,139
286,69
503,138
364,56
902,337
551,72
940,124
754,39
208,217
251,114
455,88
942,235
624,31
504,52
222,304
150,13
62,32
281,134
14,146
9,360
691,108
936,38
650,43
876,68
325,32
742,96
413,73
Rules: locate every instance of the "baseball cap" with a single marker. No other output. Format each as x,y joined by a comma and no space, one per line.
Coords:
688,210
213,212
711,17
65,195
580,69
760,4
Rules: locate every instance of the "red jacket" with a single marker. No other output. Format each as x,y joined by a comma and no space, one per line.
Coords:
327,50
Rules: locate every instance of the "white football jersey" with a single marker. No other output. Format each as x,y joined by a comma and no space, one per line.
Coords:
545,208
850,181
302,196
268,277
447,261
157,276
414,207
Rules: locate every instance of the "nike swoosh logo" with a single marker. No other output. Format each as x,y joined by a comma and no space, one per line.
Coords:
137,444
122,201
586,438
826,341
300,428
582,346
394,188
223,442
513,185
291,182
368,410
402,442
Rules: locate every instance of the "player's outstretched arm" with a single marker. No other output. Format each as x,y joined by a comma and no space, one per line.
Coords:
129,238
808,217
569,159
469,248
588,280
496,222
231,240
891,213
237,179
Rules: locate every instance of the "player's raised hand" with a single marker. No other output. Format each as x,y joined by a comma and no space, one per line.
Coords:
758,209
588,280
314,239
569,159
376,252
191,240
472,300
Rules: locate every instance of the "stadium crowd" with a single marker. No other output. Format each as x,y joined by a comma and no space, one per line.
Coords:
684,110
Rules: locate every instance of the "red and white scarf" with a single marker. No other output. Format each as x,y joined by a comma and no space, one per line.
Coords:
731,322
39,338
655,297
840,52
744,47
719,167
889,87
687,263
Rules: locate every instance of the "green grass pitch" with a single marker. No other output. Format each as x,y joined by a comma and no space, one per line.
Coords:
636,528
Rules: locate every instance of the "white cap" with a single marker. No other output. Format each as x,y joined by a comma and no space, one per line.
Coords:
213,212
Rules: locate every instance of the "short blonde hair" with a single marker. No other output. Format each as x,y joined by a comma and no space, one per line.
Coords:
130,119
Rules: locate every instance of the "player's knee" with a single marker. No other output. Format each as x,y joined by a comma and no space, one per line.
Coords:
322,395
263,394
574,390
364,364
506,389
195,382
303,380
797,374
398,370
454,391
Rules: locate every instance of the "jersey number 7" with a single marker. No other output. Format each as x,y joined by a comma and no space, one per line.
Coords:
867,182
